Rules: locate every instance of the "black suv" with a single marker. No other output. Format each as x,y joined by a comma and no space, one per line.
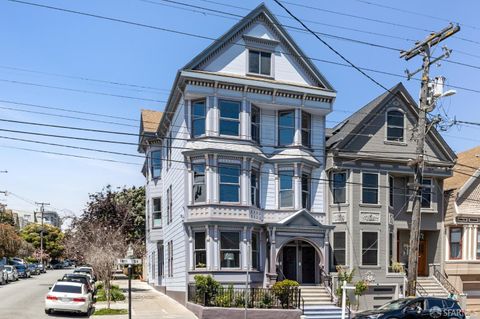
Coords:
416,308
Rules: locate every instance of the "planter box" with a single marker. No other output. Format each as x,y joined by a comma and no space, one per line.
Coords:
239,313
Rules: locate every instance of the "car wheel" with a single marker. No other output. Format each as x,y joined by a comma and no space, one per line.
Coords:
48,311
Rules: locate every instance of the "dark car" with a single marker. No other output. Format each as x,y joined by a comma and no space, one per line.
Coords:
41,268
33,269
82,278
23,271
413,308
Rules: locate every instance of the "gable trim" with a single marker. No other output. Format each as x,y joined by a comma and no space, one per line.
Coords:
468,184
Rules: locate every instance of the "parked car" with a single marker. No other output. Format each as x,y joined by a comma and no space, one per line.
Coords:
23,271
3,276
87,270
41,268
413,308
12,274
56,265
69,297
33,269
80,277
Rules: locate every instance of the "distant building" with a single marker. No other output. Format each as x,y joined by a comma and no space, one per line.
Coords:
50,217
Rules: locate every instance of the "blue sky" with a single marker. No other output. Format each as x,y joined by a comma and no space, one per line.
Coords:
60,43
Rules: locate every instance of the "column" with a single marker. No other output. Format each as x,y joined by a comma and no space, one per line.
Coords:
190,249
326,252
261,250
474,241
216,252
297,139
208,247
297,186
190,181
245,181
213,186
245,120
243,249
208,179
273,252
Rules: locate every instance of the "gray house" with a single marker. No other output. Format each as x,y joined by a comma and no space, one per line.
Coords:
369,198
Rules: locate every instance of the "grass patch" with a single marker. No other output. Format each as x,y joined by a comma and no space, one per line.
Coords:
116,294
105,311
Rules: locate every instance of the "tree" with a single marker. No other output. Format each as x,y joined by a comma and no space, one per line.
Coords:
53,237
10,242
6,218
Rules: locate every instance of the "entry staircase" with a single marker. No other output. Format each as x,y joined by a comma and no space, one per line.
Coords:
430,286
318,304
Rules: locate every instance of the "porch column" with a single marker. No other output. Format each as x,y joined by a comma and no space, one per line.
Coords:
297,186
245,181
474,241
273,252
245,120
213,185
216,252
190,182
244,249
326,252
212,117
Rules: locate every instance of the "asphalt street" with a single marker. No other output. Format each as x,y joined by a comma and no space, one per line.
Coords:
25,298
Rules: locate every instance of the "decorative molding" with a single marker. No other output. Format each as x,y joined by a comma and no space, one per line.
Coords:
370,217
339,217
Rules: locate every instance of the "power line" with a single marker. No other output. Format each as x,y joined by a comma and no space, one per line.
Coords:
214,39
79,90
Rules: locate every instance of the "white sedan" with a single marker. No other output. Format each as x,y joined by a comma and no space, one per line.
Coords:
68,296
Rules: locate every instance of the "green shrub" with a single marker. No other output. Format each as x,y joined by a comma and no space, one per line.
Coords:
224,297
207,289
285,292
116,294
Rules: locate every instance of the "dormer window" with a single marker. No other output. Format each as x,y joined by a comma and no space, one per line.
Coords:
260,62
395,126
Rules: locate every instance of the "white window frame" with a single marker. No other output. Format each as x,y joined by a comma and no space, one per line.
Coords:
333,187
192,117
255,251
220,250
386,125
156,212
431,192
204,182
306,130
256,202
259,62
228,119
153,166
309,192
230,163
278,127
378,188
280,170
258,125
195,249
344,249
378,247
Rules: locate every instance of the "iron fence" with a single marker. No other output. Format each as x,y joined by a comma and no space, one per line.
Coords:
229,297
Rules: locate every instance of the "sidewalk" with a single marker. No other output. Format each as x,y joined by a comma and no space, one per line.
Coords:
147,303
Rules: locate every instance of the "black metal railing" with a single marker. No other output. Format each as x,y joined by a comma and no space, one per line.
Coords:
229,297
420,290
327,281
444,281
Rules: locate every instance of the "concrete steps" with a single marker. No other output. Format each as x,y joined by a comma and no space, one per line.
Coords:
432,287
318,303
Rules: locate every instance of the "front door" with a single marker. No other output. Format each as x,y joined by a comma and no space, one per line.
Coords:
422,258
290,262
308,265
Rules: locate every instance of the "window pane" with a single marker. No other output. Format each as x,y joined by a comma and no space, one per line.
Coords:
230,259
369,248
370,188
339,180
230,240
156,162
395,118
229,173
229,193
339,195
253,61
198,109
229,127
395,126
286,127
200,240
395,134
255,119
199,173
198,127
306,126
286,179
265,63
157,204
200,259
370,180
286,198
157,220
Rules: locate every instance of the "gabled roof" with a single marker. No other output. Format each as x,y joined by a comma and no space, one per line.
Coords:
468,164
301,216
229,36
347,129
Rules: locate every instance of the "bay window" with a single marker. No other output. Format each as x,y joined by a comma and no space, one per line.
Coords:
156,163
255,188
255,251
286,127
456,243
200,252
230,249
255,123
370,188
157,212
229,182
369,248
286,188
306,191
199,113
229,117
306,129
199,190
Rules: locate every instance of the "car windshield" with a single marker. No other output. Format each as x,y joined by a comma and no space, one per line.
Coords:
394,305
67,289
8,268
20,267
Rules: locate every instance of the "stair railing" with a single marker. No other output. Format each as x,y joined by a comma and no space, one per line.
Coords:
444,281
326,280
420,290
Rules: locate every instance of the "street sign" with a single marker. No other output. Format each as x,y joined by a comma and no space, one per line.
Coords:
129,261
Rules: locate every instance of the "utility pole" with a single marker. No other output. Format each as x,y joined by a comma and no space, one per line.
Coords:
427,104
42,210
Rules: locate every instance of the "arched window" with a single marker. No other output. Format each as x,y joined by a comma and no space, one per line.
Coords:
395,126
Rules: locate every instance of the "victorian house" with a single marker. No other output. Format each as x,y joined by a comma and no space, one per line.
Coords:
370,198
235,168
462,220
